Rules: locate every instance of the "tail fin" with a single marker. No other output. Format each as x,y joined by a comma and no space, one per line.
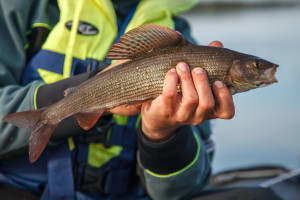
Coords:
41,130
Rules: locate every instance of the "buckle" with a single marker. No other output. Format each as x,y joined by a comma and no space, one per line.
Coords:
92,179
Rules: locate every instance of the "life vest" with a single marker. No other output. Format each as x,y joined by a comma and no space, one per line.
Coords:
107,168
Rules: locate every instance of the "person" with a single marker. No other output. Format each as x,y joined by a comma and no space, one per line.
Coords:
162,153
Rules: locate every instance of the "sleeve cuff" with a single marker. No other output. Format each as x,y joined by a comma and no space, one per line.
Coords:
169,156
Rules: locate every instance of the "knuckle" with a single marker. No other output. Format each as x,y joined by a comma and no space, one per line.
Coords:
192,100
170,94
209,105
228,115
196,123
183,119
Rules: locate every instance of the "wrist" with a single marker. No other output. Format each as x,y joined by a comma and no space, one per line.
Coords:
167,156
156,134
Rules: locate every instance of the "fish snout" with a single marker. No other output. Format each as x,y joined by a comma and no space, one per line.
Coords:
269,75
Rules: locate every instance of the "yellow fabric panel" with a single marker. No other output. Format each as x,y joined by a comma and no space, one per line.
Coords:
98,154
49,77
159,12
99,13
71,143
120,120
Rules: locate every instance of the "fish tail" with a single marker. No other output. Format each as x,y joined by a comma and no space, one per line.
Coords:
41,129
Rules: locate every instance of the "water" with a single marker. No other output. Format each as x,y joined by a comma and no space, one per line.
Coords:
265,128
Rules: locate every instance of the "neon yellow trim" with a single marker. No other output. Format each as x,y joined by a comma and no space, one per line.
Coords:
48,76
71,44
28,32
26,46
47,26
120,120
182,170
71,143
138,120
35,93
108,134
98,154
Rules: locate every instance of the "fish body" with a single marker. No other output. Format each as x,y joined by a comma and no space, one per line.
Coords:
153,51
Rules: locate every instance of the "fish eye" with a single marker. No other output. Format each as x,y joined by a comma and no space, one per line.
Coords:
257,64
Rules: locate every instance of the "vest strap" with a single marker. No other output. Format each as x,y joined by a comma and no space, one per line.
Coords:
60,171
92,179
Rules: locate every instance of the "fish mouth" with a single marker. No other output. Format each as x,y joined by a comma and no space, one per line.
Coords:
269,75
266,78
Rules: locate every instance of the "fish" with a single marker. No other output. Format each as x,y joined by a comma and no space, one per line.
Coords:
151,50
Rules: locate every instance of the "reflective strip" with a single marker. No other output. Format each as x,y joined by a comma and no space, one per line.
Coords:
26,46
108,136
138,120
35,93
185,168
71,143
97,159
47,26
71,43
120,120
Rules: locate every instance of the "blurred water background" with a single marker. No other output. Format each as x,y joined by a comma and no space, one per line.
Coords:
265,129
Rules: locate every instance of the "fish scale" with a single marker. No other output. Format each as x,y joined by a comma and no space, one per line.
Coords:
130,80
153,51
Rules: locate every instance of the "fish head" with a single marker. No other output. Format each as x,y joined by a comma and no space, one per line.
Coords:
250,73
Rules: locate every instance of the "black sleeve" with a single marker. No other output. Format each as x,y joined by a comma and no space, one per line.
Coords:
52,93
168,156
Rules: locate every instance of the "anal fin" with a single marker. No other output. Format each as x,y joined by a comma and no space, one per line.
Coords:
87,120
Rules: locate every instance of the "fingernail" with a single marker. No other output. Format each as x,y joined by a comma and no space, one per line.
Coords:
183,67
198,70
173,70
219,84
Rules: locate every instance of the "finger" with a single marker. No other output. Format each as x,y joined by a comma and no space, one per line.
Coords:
169,94
216,44
224,108
189,99
206,100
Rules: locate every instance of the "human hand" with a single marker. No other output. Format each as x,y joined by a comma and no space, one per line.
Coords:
162,116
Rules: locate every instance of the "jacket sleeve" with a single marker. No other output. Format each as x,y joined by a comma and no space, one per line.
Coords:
178,168
16,18
13,98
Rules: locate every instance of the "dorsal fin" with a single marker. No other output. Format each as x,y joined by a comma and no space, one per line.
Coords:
143,39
